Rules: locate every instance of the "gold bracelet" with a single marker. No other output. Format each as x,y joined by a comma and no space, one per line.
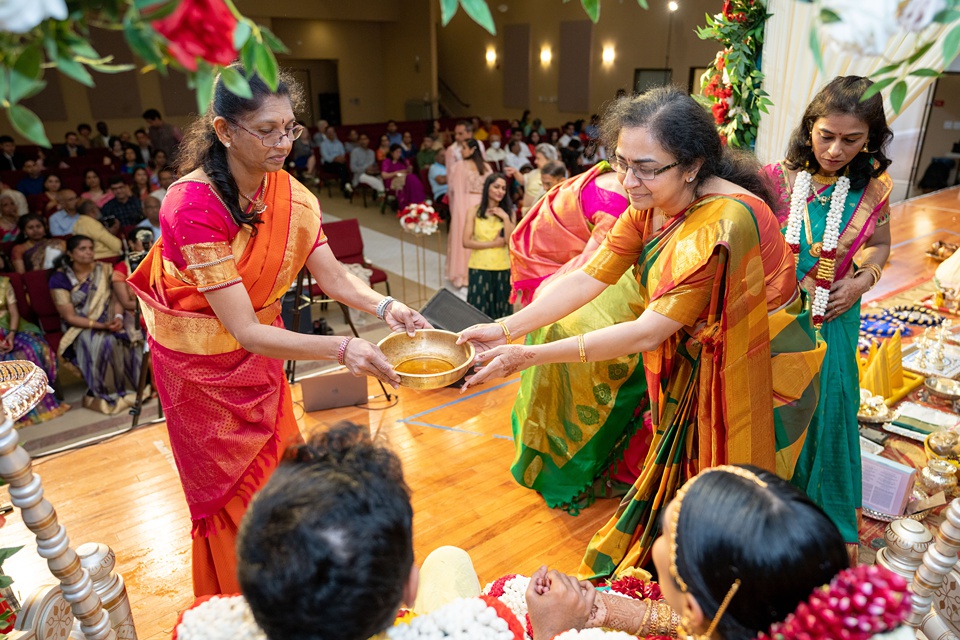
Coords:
874,269
641,631
90,322
583,353
506,332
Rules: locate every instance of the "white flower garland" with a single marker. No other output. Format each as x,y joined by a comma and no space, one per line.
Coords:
465,618
220,618
826,267
514,596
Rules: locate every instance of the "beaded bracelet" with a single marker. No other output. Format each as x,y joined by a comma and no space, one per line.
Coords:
382,307
342,351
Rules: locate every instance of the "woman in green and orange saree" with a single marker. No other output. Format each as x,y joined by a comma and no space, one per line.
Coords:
837,154
729,354
236,232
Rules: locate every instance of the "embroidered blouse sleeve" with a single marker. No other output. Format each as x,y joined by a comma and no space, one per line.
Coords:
197,231
620,250
883,217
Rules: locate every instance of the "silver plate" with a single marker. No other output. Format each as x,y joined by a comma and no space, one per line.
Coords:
943,387
949,367
889,416
918,495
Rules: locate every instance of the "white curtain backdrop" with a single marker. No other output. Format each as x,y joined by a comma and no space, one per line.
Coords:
792,79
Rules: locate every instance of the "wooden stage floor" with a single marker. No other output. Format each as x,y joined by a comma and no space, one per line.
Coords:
456,452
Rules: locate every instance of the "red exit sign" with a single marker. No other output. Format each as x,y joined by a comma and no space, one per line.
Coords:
938,103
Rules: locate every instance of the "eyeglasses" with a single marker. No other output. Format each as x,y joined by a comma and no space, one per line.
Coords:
275,138
621,166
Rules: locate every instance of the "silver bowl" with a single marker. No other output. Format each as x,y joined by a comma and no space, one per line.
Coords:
431,359
943,388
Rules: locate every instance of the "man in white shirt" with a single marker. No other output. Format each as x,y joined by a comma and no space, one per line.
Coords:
166,177
151,209
568,134
62,222
515,158
517,136
495,152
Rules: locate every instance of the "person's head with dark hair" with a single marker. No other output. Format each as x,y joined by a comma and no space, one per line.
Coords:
552,173
495,194
139,239
7,145
166,177
325,549
102,128
33,228
256,133
153,117
52,184
79,251
130,156
395,152
84,129
391,126
840,133
159,159
120,188
463,130
471,153
534,138
88,208
666,147
738,523
71,138
91,179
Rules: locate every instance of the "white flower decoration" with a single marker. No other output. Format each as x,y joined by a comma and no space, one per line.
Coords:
864,27
20,16
918,14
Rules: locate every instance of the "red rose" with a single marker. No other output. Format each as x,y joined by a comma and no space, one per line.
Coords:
199,29
12,620
720,111
727,8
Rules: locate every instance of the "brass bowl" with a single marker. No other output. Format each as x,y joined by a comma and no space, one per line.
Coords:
431,359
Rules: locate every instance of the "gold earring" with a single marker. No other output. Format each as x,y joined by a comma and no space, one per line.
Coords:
865,149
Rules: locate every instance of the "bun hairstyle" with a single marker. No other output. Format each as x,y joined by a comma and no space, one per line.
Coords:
842,96
773,539
201,148
687,132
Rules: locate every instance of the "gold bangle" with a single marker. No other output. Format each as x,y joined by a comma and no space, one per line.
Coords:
506,332
583,353
646,617
90,322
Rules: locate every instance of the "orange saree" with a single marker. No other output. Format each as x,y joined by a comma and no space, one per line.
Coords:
229,412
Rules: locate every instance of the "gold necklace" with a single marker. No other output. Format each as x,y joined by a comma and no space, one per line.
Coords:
825,179
259,206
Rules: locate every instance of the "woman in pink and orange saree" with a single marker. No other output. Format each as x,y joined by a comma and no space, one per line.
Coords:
729,354
237,230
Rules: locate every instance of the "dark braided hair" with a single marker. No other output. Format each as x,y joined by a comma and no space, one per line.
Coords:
841,96
686,131
202,149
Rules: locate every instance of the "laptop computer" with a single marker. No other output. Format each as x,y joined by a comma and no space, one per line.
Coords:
333,389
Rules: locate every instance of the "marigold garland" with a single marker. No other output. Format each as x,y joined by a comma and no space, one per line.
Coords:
731,85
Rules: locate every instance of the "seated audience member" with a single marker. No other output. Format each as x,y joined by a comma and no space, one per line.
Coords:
131,161
165,177
397,176
495,151
10,159
71,148
592,130
532,187
157,162
117,155
515,159
383,149
141,187
9,218
437,175
144,148
321,132
440,136
151,220
593,152
95,340
63,220
35,249
535,127
32,183
83,135
126,139
569,133
342,500
533,140
302,159
570,155
393,135
124,207
103,139
553,138
427,153
333,158
47,202
163,135
23,340
407,147
552,174
106,244
364,167
95,191
517,136
352,139
19,199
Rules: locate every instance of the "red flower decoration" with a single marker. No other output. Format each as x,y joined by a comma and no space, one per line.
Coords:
503,611
720,111
199,29
637,588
